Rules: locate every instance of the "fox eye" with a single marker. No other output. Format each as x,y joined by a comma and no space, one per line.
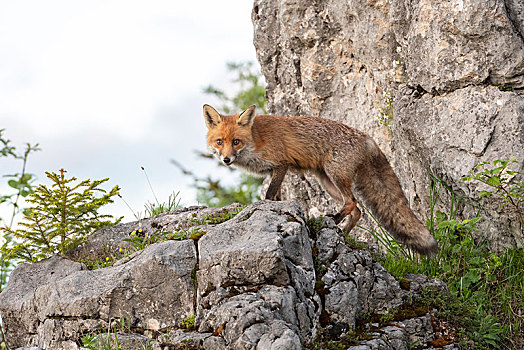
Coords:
220,142
236,142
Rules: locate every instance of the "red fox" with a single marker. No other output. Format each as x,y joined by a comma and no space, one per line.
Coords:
342,158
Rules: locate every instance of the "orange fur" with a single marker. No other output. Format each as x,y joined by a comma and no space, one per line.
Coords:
344,159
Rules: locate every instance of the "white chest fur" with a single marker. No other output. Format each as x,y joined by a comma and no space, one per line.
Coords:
251,161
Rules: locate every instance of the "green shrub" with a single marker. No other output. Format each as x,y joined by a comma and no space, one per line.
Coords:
506,184
60,217
22,183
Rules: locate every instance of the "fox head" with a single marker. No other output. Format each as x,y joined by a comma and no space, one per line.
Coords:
228,135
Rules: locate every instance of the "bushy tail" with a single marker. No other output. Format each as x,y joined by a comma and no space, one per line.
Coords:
381,192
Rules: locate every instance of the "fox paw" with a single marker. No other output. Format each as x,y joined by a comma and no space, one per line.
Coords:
275,197
336,217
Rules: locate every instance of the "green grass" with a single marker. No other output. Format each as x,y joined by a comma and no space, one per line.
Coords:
488,287
108,339
173,202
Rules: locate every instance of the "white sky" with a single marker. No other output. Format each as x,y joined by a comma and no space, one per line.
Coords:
108,86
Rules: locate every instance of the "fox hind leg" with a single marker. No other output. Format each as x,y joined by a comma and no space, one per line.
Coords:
339,187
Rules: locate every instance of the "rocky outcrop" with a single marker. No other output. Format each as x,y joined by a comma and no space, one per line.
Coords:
448,74
261,280
51,304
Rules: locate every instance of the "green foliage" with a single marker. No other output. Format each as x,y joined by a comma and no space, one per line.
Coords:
314,225
60,217
188,322
504,183
251,89
214,194
503,87
111,255
152,209
22,183
90,341
173,202
490,285
326,341
214,220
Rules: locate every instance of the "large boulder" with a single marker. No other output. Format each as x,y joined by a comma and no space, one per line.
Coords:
56,300
447,74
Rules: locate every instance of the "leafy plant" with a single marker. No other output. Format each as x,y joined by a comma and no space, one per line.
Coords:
152,209
214,220
173,202
214,194
22,183
60,217
504,183
111,255
188,322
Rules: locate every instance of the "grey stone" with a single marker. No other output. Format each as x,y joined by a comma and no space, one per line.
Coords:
215,343
445,44
442,61
255,270
190,340
458,131
418,330
124,341
190,219
353,282
57,299
256,288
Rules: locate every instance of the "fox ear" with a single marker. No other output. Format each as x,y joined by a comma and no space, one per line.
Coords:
211,116
247,117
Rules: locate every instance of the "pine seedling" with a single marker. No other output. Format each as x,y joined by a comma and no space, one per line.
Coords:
60,217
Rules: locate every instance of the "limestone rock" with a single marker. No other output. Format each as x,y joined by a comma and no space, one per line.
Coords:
459,130
256,277
55,300
444,62
264,280
448,45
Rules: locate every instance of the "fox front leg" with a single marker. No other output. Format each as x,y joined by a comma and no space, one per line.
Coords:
273,191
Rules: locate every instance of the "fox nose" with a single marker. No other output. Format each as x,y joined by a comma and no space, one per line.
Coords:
226,160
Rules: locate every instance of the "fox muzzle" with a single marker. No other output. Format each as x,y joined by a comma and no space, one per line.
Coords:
228,160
